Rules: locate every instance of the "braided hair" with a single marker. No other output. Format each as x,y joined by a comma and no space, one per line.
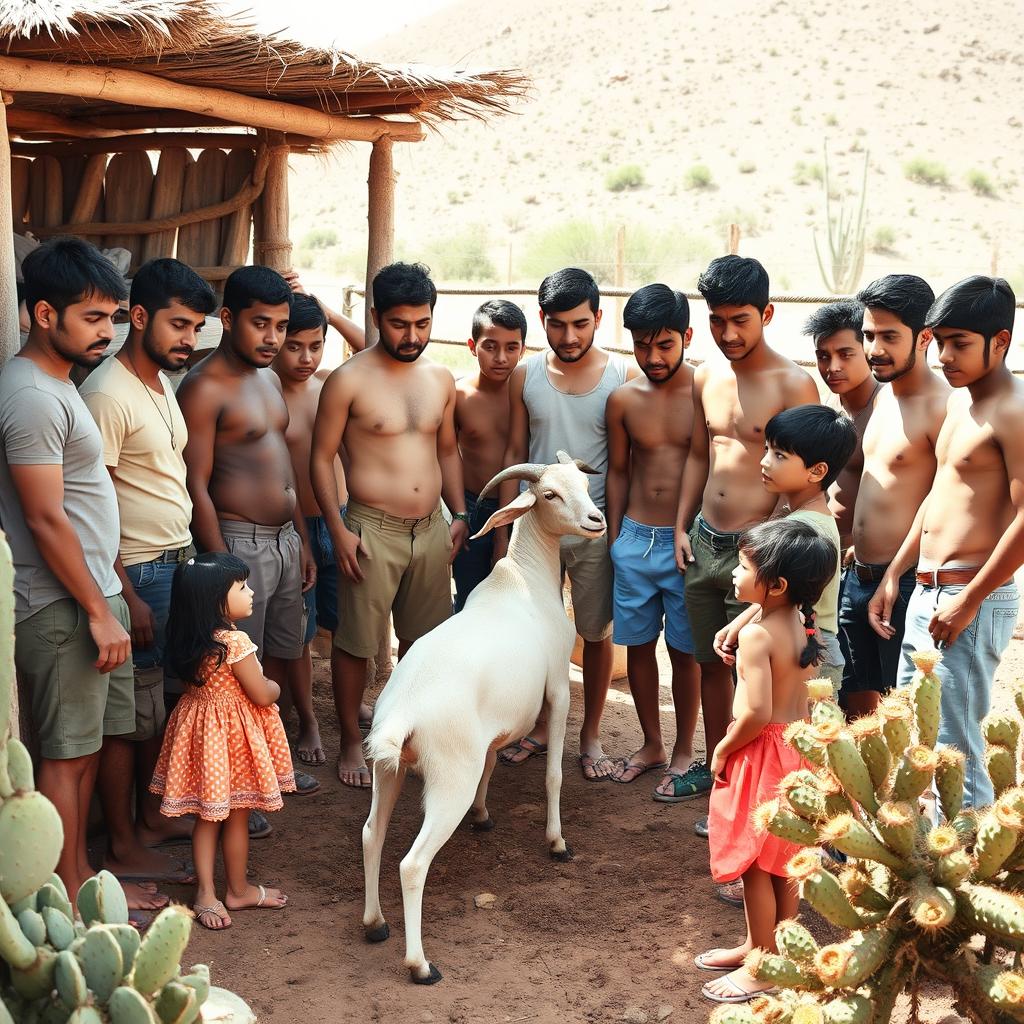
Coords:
814,648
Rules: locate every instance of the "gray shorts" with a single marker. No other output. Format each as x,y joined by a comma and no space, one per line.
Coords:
274,557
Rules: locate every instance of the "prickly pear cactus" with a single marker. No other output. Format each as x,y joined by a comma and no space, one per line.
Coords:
57,967
942,899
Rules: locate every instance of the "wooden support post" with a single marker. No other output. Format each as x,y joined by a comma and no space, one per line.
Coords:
8,289
380,216
272,245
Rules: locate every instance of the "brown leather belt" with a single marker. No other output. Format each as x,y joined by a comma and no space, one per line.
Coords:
947,577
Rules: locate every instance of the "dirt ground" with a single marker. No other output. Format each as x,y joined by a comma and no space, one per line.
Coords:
609,937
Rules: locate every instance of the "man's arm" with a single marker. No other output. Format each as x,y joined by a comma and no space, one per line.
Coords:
453,492
881,604
201,408
695,474
353,334
616,492
801,390
517,448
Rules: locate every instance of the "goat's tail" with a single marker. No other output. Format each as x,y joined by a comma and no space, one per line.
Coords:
386,739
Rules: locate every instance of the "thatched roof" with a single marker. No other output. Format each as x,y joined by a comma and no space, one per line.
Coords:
196,43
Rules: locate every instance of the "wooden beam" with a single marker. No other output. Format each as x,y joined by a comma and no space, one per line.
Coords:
146,120
271,244
115,85
19,121
9,338
155,141
380,216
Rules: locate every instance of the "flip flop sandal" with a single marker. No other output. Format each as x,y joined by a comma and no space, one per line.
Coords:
306,784
528,745
640,768
682,790
140,920
741,994
701,964
263,898
588,761
217,909
259,827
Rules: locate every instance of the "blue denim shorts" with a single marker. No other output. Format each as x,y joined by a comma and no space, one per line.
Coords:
152,582
473,565
967,671
649,590
321,601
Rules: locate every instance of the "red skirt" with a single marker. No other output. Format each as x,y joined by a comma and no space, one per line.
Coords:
752,776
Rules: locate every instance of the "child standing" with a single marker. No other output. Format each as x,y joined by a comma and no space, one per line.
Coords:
225,750
783,567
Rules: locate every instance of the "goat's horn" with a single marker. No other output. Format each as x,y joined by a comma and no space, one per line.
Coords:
565,459
525,471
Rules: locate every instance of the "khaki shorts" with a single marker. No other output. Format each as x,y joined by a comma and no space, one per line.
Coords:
588,565
150,709
710,598
407,576
277,625
73,705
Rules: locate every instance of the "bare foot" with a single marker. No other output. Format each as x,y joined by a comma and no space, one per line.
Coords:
264,897
308,747
141,862
140,898
166,830
352,770
729,986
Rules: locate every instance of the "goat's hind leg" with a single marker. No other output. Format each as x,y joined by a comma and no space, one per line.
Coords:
557,696
480,820
386,787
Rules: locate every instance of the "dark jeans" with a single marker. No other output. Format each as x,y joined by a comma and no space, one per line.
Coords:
322,600
473,566
152,582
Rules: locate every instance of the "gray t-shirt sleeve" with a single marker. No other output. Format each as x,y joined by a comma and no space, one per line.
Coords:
35,428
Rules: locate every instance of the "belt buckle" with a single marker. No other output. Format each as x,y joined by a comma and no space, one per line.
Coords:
180,555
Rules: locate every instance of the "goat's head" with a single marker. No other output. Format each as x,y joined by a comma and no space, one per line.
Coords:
558,494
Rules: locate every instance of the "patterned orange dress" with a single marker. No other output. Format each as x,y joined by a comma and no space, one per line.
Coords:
222,752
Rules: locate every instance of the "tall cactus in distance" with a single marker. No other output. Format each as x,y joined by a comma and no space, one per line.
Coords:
846,230
915,896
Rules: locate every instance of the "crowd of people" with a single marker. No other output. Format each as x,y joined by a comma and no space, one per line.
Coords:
176,551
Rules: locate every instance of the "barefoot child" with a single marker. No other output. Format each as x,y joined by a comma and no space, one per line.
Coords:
225,751
783,567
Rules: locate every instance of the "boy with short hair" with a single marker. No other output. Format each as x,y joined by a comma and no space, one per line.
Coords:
969,531
806,448
498,342
650,424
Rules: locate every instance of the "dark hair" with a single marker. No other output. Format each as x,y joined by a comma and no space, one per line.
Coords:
567,289
159,282
793,550
199,593
906,296
20,289
814,433
654,308
66,270
248,285
734,281
403,284
307,314
501,313
981,305
844,315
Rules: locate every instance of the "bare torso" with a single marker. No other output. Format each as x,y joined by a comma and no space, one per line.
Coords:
842,495
789,692
659,422
481,420
302,399
899,466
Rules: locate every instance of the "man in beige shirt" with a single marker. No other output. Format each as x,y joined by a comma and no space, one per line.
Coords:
144,435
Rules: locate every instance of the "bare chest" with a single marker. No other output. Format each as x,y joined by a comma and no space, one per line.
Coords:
728,414
301,417
968,447
893,440
482,418
405,411
254,410
655,425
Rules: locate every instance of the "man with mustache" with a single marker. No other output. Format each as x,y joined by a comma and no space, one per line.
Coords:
899,465
395,417
239,472
144,437
650,423
59,511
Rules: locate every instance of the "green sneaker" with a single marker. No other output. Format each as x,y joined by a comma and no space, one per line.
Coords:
695,781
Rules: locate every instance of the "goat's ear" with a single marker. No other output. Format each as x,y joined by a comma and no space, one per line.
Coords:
512,511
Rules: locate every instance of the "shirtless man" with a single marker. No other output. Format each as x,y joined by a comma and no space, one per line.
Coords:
968,536
395,417
899,465
481,423
721,492
558,401
837,330
650,423
239,474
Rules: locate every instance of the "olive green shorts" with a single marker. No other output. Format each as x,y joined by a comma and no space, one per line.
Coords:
407,575
73,705
587,563
150,709
710,598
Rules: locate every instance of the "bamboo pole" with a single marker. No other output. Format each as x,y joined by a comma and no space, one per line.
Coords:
115,85
380,216
20,120
272,245
154,142
8,289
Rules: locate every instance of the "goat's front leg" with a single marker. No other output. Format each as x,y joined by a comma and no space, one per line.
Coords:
480,820
558,706
386,787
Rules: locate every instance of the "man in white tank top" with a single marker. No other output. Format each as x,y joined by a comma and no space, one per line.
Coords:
557,401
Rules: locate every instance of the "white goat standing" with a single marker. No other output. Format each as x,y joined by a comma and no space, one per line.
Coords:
473,684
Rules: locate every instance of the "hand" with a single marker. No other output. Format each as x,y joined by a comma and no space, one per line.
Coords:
142,619
725,643
880,606
500,549
114,644
460,538
684,553
951,618
717,765
848,557
292,277
308,569
346,555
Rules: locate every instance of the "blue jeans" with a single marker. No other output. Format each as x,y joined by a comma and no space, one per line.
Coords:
152,582
322,600
967,671
473,566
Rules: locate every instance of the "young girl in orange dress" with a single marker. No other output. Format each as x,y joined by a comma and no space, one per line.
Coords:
225,750
783,566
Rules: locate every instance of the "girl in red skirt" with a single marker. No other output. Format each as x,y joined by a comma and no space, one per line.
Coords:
783,566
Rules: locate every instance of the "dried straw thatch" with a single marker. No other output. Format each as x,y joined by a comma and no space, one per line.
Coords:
195,43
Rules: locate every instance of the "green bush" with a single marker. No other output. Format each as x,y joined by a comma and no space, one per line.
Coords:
883,240
460,256
750,225
980,183
698,176
319,238
624,178
747,167
805,173
926,172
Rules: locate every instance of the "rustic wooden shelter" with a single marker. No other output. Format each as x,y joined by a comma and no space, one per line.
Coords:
92,88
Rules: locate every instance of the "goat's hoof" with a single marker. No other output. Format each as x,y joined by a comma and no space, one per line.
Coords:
378,934
563,856
432,978
482,826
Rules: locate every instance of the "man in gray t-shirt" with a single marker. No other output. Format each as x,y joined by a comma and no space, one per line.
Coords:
59,511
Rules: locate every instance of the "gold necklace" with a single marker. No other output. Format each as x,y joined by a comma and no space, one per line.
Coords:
169,422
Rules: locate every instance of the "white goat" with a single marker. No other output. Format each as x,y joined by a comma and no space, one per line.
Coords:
475,683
